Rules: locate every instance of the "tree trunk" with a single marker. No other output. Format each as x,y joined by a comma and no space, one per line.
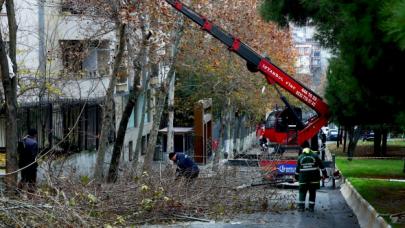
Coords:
118,145
225,133
215,166
10,92
170,102
344,139
161,97
338,138
238,119
350,147
139,64
145,78
231,129
139,136
377,142
384,142
108,109
227,129
140,132
160,101
354,135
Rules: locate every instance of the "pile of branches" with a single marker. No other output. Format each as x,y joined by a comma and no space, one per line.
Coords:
146,198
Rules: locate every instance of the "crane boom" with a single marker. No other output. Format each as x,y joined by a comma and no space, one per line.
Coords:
272,73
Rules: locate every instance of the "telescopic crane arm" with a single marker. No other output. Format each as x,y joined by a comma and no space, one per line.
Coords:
272,73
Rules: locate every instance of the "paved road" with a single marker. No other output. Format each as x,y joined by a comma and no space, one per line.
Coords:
331,211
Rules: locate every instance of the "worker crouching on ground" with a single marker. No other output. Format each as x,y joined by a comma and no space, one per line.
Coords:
307,173
186,167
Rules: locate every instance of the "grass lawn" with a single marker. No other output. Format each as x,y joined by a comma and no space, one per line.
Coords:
386,197
371,168
374,191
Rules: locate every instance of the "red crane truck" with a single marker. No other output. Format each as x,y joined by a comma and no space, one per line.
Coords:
283,127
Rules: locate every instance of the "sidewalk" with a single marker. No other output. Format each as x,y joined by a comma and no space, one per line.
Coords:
331,211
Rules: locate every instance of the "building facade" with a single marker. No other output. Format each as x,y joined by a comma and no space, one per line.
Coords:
65,62
312,59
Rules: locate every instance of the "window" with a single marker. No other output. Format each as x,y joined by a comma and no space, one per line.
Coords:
131,121
301,51
96,62
72,6
85,59
72,55
271,119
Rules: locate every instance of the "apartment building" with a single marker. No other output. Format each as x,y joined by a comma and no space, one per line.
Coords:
312,59
65,60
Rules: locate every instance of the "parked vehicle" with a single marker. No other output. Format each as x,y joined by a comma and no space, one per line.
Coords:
332,135
368,136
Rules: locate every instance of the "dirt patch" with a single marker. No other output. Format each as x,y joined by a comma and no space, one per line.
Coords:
146,198
389,200
368,151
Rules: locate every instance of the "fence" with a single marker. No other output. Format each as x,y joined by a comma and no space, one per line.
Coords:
239,139
54,121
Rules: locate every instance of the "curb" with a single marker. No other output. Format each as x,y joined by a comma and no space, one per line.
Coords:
366,215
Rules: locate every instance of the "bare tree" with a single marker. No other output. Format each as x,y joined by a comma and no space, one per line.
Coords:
146,79
108,108
162,93
170,107
10,92
139,65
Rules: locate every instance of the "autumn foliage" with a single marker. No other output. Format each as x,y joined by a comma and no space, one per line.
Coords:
223,74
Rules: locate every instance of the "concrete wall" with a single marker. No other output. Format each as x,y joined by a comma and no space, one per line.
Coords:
234,144
77,165
366,214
